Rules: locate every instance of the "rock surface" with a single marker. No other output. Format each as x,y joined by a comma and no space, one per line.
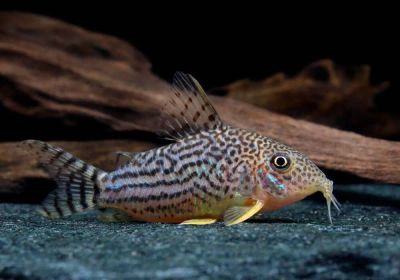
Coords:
295,242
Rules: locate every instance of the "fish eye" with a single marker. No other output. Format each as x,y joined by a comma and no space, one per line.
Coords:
280,162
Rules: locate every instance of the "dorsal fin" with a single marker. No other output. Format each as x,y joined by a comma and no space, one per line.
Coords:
188,111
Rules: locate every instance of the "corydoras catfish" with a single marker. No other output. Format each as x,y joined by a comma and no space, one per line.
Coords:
210,172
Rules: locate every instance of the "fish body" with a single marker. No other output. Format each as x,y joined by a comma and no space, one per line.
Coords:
200,176
211,172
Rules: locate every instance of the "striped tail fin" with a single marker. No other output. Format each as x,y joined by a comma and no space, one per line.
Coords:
77,187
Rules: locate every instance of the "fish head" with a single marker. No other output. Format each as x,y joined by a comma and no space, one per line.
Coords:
287,176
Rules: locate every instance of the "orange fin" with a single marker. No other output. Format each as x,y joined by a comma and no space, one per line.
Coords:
199,222
238,214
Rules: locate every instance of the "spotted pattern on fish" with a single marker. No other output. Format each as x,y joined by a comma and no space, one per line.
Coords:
195,176
212,171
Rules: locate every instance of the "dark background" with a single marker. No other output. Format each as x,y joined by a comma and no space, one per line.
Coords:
219,44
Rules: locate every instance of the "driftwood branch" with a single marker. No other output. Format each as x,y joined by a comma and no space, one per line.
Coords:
50,70
324,93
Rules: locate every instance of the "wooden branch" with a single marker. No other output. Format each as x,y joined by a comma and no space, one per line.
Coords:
53,70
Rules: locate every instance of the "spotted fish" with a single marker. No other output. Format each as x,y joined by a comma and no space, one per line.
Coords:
212,171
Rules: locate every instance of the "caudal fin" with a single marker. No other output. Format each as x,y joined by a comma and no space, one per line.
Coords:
77,187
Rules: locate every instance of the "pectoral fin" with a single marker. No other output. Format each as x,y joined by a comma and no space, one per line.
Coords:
238,214
199,222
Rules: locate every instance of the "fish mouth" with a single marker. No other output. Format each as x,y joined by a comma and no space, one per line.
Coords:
327,191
